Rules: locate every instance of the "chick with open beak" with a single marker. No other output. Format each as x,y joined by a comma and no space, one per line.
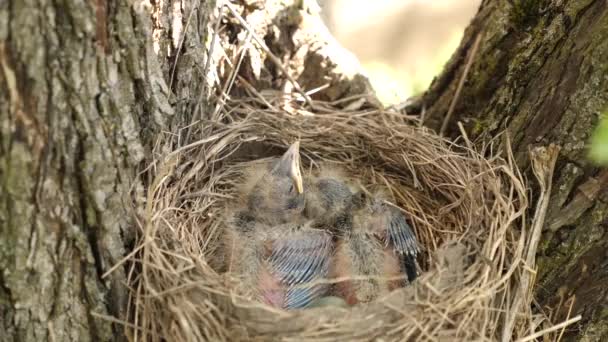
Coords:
278,197
277,252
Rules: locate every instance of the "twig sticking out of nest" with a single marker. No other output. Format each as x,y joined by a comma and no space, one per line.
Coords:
467,210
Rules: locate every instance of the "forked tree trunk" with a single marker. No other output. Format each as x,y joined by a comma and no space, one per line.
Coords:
84,90
541,72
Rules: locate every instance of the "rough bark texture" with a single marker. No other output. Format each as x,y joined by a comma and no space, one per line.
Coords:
541,72
82,94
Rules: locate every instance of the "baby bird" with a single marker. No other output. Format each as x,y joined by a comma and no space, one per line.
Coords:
277,196
299,259
374,241
272,247
379,248
329,202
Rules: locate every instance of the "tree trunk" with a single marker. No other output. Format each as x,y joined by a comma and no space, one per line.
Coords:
540,71
82,95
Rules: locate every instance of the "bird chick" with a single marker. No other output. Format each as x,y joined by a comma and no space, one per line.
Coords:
379,248
284,265
278,196
299,257
243,246
271,193
329,199
374,242
273,249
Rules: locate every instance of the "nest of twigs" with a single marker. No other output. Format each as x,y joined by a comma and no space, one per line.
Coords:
466,207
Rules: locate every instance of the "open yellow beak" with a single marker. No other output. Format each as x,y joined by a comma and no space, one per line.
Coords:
293,157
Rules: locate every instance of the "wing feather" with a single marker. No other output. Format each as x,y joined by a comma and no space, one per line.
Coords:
299,259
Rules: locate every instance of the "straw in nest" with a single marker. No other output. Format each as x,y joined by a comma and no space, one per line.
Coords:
467,211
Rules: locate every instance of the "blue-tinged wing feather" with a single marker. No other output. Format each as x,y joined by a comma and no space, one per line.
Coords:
299,259
402,239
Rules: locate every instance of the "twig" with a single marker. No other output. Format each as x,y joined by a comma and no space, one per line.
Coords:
205,73
125,259
551,329
543,165
561,333
467,67
272,56
181,42
221,102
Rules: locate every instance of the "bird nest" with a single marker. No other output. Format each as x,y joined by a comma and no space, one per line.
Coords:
466,206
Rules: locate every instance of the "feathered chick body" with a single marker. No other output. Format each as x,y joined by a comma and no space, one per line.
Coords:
284,265
274,249
375,254
374,245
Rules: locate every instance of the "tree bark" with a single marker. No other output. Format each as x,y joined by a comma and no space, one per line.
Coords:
82,95
540,72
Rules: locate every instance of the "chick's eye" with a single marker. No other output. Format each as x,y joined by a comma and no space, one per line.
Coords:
291,188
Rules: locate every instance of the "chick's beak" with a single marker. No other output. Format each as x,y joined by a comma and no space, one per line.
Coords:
291,159
298,182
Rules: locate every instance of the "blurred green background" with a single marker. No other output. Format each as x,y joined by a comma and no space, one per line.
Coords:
598,152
